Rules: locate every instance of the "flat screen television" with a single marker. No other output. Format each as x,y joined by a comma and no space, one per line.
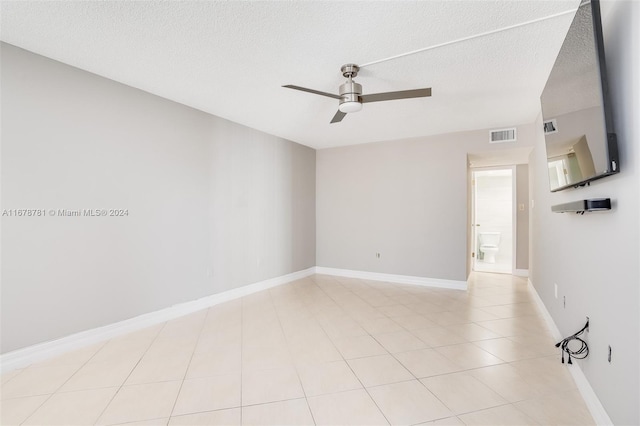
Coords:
579,138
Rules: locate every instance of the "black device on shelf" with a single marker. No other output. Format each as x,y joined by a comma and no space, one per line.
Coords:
580,141
581,206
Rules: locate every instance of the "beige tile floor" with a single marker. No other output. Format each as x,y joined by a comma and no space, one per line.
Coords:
322,350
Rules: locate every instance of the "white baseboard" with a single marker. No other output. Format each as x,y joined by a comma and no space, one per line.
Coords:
521,272
23,357
582,383
551,325
401,279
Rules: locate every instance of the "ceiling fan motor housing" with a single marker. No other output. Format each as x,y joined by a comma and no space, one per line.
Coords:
350,91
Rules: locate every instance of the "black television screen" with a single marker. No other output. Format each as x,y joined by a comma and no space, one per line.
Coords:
579,138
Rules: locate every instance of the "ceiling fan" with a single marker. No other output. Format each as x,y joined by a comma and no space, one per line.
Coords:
351,97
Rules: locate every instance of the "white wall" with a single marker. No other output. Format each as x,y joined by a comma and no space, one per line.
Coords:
594,258
212,205
406,199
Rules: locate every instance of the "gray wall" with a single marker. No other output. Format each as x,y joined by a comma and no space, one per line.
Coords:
212,205
262,209
594,258
522,216
406,199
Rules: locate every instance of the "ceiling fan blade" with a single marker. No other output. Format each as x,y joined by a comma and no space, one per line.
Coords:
338,117
317,92
389,96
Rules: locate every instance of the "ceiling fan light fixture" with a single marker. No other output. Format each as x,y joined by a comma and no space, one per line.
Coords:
350,106
350,93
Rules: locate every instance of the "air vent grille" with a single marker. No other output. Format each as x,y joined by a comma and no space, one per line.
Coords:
502,135
550,126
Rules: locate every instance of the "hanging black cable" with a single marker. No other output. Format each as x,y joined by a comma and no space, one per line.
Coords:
580,353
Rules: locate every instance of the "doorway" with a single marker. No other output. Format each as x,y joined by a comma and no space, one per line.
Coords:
492,221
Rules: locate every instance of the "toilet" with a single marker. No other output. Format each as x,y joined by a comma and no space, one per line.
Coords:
489,242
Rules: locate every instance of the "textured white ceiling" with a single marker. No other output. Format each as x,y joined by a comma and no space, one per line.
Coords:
230,58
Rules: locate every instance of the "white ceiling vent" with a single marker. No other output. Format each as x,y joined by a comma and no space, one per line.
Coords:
550,126
502,135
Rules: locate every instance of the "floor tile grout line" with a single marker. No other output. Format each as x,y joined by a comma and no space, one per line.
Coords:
419,381
503,362
438,398
440,325
388,351
130,372
234,407
17,371
484,409
64,383
511,404
397,360
415,313
356,376
184,377
356,292
290,355
49,396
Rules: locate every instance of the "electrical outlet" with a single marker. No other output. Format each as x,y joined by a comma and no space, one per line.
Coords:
555,289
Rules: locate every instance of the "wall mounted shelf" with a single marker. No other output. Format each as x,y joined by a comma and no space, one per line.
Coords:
581,206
